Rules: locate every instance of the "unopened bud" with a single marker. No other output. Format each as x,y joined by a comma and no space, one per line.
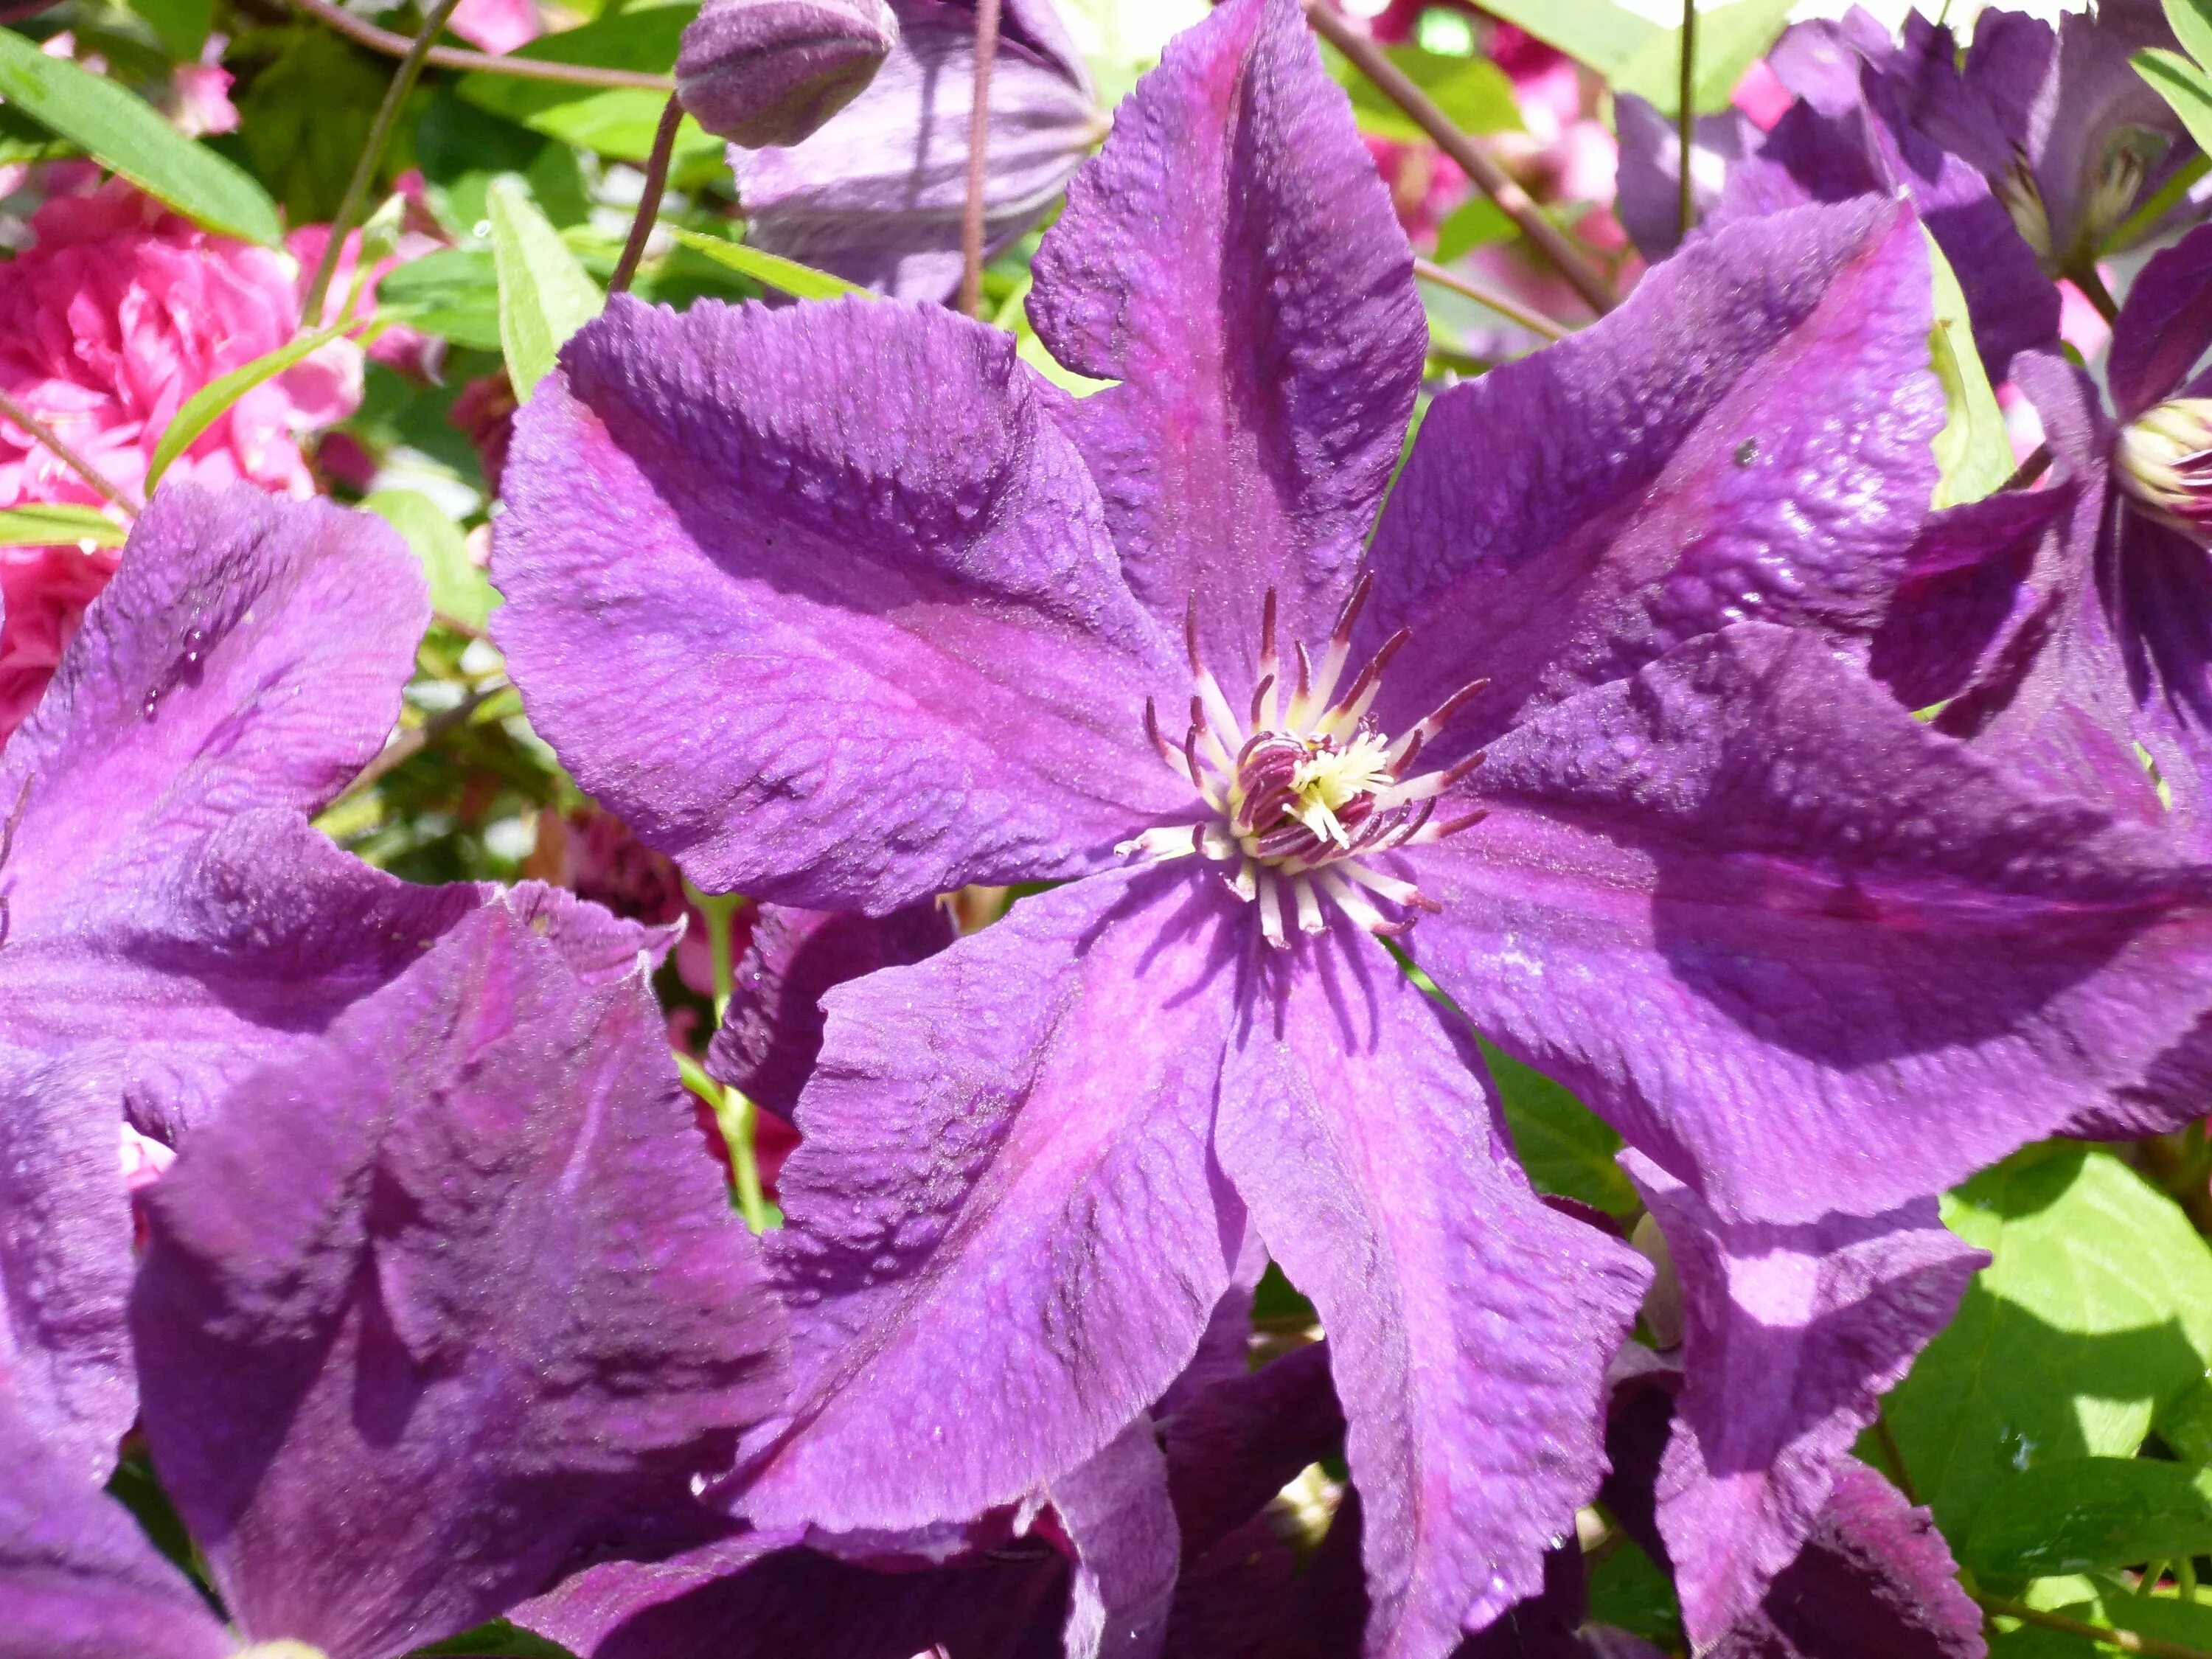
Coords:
2165,463
761,72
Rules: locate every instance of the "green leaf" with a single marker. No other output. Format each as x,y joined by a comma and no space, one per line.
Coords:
1472,91
305,116
1628,1589
1729,38
618,121
2191,21
772,270
1565,1147
458,589
543,295
1598,33
498,1638
207,405
453,293
54,524
127,135
2094,1322
2183,86
1973,450
2091,1514
1477,222
181,26
2164,1617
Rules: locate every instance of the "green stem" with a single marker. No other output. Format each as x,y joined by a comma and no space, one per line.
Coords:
1894,1455
2184,1575
2127,1641
738,1117
371,156
1687,118
2091,281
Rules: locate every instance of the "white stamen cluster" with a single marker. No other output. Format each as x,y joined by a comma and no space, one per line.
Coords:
1303,792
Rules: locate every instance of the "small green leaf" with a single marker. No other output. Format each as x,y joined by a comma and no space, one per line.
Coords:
2091,1514
2191,21
54,525
1729,38
1472,91
618,121
497,1640
543,295
1974,449
207,405
127,135
458,589
771,270
1598,33
2183,86
1477,222
1565,1147
453,293
181,26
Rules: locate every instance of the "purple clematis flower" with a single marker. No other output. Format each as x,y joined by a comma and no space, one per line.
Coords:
877,193
884,630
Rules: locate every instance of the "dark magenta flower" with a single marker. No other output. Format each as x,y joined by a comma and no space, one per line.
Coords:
842,606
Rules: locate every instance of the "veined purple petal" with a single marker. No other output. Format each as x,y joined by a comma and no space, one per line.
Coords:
160,877
1791,1335
78,1578
1748,436
1804,953
1117,1515
1469,1325
428,1309
1006,1229
1238,1443
877,194
1650,204
2165,326
1232,259
822,604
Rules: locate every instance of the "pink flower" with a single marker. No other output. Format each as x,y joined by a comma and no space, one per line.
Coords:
403,349
115,316
203,92
498,24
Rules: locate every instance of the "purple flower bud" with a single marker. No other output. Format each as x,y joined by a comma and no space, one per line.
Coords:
771,72
2165,462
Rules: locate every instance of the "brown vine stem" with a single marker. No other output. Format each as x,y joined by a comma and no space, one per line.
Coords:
482,62
1492,179
410,743
648,205
1492,299
2030,470
1687,118
979,139
68,457
2127,1641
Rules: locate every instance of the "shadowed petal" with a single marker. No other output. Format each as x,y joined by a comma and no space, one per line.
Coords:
1748,436
1791,1335
1804,953
1241,1441
1118,1518
428,1309
821,603
1650,202
2164,327
1469,1325
1232,259
1007,1231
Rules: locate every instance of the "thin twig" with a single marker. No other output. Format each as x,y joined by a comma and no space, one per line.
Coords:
1474,160
2127,1641
648,205
2030,470
480,62
1894,1454
1483,294
408,745
68,457
371,156
2091,281
979,139
1687,119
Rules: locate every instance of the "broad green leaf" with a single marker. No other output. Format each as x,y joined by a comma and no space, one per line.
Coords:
2165,1617
770,269
181,26
1598,33
305,116
1628,1589
543,295
617,121
2094,1321
453,293
458,589
54,524
1472,91
1565,1147
209,404
1973,450
1477,222
127,135
2090,1514
1729,38
2193,25
2183,86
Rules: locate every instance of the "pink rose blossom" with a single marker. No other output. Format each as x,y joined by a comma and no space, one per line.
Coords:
403,348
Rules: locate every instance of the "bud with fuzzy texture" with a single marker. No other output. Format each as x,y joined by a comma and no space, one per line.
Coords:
762,72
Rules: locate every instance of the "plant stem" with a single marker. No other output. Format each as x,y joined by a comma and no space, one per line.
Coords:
372,156
2030,470
37,429
648,205
480,62
1492,179
739,1117
1483,294
2127,1641
1687,118
1894,1455
979,139
2091,281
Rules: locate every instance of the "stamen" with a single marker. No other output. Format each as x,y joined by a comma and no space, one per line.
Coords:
1270,913
1430,785
1176,761
1412,742
1353,707
1263,702
1389,887
1310,919
1264,699
1246,882
1170,841
1201,725
1451,827
1332,660
1362,913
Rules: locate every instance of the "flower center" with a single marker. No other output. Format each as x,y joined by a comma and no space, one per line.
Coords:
2165,462
1303,794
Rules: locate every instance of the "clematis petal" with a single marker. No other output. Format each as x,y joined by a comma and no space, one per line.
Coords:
1469,1325
1804,953
160,877
2164,327
821,603
770,1037
1006,1232
78,1578
1239,1441
428,1308
1118,1516
1650,202
1748,435
1232,259
65,1264
1790,1334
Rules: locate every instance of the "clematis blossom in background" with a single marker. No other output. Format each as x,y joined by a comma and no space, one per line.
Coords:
1725,888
